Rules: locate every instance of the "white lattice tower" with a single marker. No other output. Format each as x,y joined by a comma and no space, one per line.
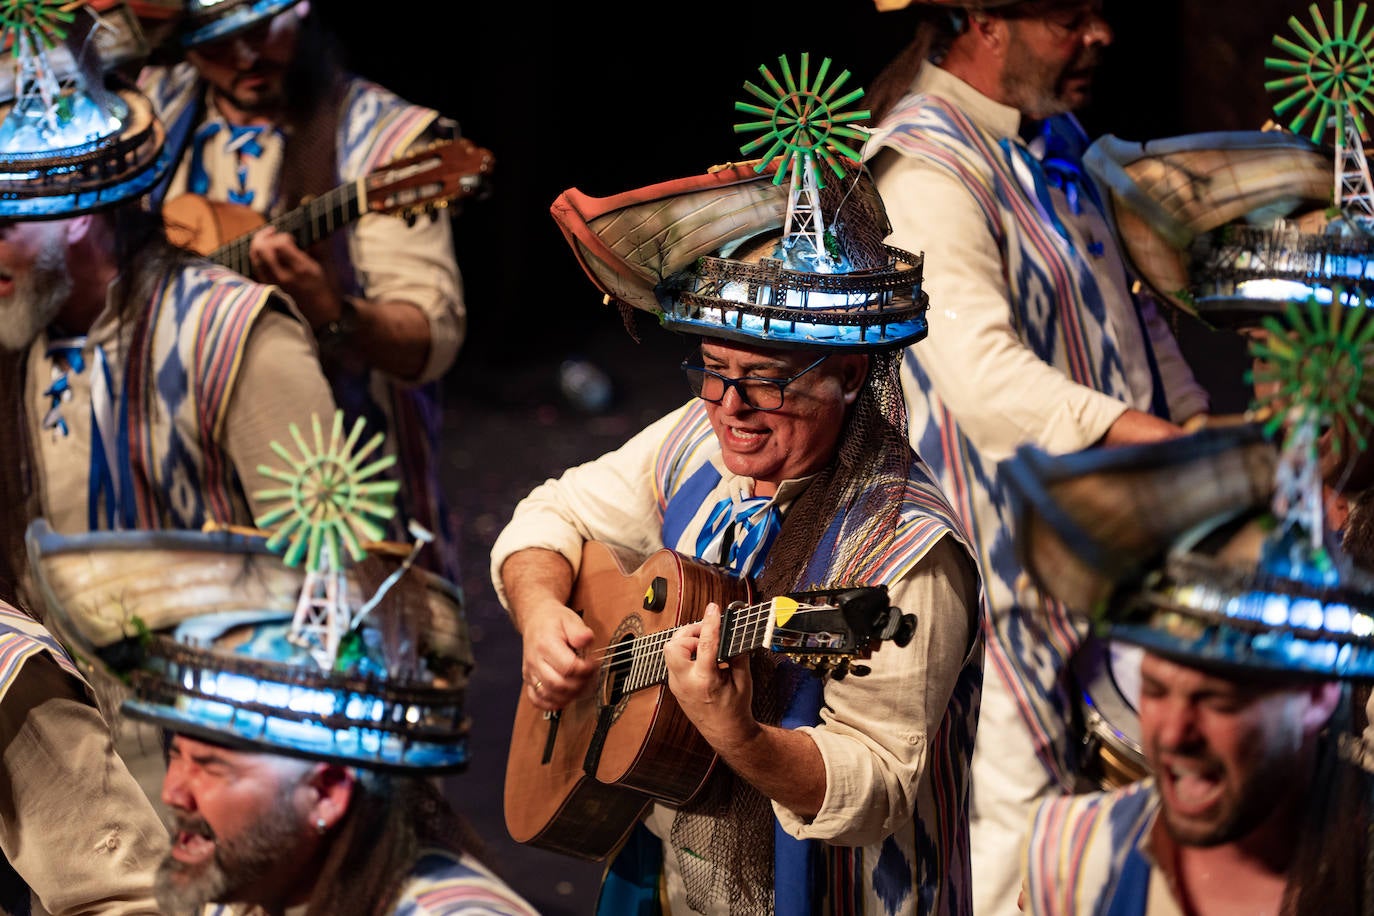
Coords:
35,82
1297,479
1354,191
322,614
804,216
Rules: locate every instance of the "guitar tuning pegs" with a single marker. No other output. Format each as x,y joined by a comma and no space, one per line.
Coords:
898,627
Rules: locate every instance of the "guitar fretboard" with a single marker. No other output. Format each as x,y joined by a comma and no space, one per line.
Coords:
307,224
748,630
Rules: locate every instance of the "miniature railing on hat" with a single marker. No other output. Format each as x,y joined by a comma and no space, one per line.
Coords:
347,716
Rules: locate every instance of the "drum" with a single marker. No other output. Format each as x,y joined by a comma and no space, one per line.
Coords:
1107,690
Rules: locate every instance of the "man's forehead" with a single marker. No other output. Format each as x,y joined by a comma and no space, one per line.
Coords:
745,353
1181,673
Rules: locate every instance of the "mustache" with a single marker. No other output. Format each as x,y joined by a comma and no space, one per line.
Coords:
1090,59
193,824
1166,756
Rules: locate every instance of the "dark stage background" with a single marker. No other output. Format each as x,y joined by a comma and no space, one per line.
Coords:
612,96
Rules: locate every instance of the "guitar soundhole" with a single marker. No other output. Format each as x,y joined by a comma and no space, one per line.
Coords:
620,658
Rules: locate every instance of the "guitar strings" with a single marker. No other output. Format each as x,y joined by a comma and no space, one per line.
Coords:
748,617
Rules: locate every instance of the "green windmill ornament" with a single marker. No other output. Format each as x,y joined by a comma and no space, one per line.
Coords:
1324,87
1317,367
329,506
802,126
33,28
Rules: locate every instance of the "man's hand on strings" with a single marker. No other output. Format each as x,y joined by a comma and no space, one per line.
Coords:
715,697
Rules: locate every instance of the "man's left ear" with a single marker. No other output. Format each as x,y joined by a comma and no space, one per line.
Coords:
78,227
1324,698
332,787
853,376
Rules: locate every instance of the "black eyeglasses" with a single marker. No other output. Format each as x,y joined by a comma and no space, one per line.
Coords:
1067,17
757,391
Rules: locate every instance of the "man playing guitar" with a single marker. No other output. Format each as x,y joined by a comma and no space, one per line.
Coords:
791,466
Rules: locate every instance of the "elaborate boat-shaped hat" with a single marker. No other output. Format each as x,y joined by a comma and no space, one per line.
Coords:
205,21
1213,548
1208,220
736,253
1097,517
316,668
68,143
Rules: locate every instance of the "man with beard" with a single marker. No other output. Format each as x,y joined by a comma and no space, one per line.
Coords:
304,748
261,115
141,384
1247,780
262,834
1254,626
1035,337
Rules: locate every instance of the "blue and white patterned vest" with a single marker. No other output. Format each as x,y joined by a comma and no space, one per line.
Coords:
928,860
1085,853
375,126
1059,313
183,363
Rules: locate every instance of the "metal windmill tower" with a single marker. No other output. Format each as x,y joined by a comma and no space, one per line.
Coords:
1326,86
34,28
802,122
328,506
1318,364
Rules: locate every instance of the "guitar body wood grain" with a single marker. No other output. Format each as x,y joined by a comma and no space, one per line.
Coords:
203,225
638,745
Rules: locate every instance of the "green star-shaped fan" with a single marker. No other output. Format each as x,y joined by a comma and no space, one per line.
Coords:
329,505
1329,74
802,120
1322,365
32,25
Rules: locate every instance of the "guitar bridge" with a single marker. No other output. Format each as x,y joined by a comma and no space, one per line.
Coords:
553,719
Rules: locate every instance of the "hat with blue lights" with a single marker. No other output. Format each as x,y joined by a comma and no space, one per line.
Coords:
785,250
1211,548
206,21
1231,226
69,144
341,677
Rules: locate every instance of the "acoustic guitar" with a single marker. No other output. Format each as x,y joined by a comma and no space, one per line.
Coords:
415,185
578,780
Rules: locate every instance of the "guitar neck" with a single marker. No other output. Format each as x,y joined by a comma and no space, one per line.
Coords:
307,224
745,629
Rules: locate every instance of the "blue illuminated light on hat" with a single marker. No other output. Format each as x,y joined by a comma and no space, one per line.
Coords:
68,145
1204,609
1212,550
737,254
319,682
1234,225
211,20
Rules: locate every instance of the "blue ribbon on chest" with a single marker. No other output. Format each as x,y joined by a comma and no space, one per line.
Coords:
738,533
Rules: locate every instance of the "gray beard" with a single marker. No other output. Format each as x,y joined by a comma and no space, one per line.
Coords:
38,297
183,890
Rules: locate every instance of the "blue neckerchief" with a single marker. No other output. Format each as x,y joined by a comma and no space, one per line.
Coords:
102,489
1051,160
243,141
752,520
67,354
